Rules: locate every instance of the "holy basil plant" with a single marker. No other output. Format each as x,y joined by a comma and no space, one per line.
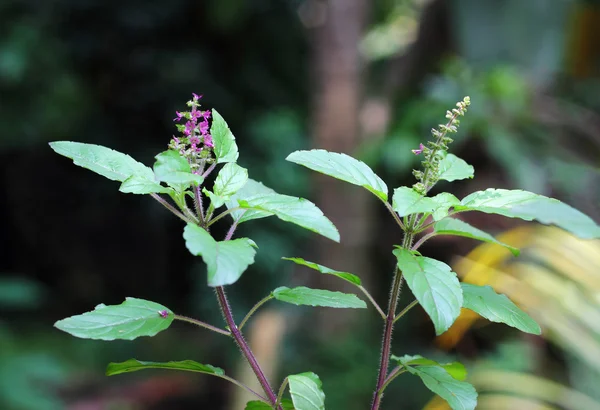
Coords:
206,145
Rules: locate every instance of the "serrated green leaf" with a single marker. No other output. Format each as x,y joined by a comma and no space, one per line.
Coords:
261,405
127,321
453,168
484,301
133,365
434,285
306,393
226,149
341,166
529,206
225,260
452,226
140,185
231,178
317,297
444,202
109,163
349,277
407,201
251,189
175,170
455,369
298,211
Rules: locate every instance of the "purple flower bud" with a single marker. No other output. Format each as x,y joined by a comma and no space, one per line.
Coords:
163,313
208,141
179,116
196,96
418,151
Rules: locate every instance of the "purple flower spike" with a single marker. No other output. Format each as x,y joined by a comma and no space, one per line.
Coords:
196,96
163,313
418,151
179,116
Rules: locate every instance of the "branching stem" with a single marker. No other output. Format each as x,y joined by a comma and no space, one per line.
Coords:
406,309
254,309
202,324
171,208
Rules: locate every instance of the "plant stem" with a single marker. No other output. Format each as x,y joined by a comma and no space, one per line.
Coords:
394,214
281,390
243,386
202,324
406,309
222,214
368,295
198,203
209,170
254,309
397,371
170,208
422,240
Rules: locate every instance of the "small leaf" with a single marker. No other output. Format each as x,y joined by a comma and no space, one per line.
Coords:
140,185
109,163
349,277
444,202
127,321
298,211
172,168
455,369
434,285
261,405
133,365
453,168
225,260
452,226
497,308
317,297
225,149
341,166
529,206
306,393
407,201
251,189
231,178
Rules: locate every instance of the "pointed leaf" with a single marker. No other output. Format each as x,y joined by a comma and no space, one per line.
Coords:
434,285
444,201
452,226
109,163
133,365
299,211
261,405
225,260
453,168
231,178
407,201
306,393
140,185
172,168
529,206
455,369
251,189
127,321
317,297
497,308
341,166
225,149
349,277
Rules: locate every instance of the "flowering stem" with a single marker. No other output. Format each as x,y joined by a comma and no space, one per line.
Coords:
171,208
254,309
202,324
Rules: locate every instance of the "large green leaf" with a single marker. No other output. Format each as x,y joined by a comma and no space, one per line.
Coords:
317,297
407,201
444,201
175,170
497,308
231,178
109,163
349,277
341,166
306,391
455,369
453,168
251,189
529,206
129,320
434,285
460,395
225,260
140,185
133,365
261,405
452,226
299,211
226,149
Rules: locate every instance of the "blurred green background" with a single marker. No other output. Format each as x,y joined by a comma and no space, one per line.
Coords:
365,77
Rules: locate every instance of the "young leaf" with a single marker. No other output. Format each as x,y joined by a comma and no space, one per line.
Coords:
317,297
140,185
348,277
306,391
444,202
172,168
261,405
127,321
453,168
497,308
455,369
529,206
452,226
225,260
299,211
341,166
251,189
434,285
407,201
225,149
231,178
109,163
133,365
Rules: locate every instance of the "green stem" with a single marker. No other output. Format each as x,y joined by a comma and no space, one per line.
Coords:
202,324
281,391
395,215
406,309
222,214
397,371
243,386
422,240
368,295
254,309
171,208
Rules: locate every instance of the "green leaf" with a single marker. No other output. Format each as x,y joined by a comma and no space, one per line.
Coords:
140,185
529,206
434,285
225,260
133,365
497,308
460,395
444,201
299,211
453,168
109,163
225,149
341,166
349,277
251,189
127,321
407,201
261,405
172,168
230,179
306,392
317,297
452,226
455,369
